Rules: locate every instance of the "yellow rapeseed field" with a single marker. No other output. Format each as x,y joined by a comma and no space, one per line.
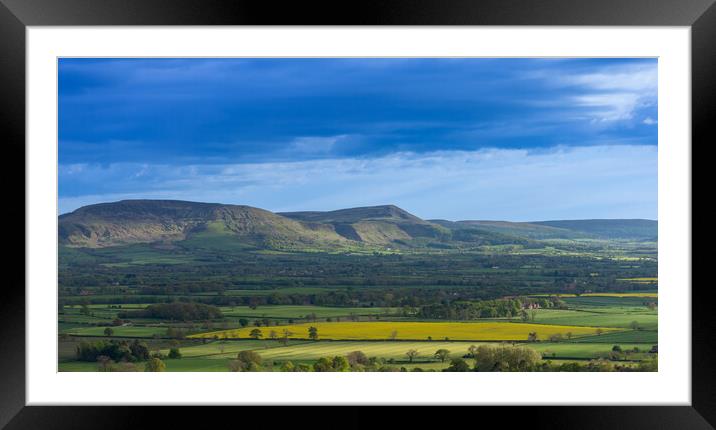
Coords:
488,331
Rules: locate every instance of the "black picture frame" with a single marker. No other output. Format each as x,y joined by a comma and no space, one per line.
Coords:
16,15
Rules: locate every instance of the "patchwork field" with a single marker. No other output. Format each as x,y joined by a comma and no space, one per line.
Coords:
280,311
215,355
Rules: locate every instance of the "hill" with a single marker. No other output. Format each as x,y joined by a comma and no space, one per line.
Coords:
381,225
145,221
642,229
216,226
638,229
522,230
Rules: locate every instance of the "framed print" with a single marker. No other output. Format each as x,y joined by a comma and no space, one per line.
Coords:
417,204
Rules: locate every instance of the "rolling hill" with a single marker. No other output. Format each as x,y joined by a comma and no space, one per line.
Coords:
382,225
642,229
636,229
221,226
146,221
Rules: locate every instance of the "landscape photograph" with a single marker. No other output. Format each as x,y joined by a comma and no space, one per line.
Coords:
357,215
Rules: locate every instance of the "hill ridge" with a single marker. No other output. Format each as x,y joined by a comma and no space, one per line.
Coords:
155,220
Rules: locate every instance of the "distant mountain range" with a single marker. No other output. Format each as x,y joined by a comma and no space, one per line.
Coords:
167,221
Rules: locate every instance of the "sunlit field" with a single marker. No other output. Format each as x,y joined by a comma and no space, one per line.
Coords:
492,331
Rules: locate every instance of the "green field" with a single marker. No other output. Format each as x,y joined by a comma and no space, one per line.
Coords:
309,351
366,318
591,302
600,317
176,365
635,336
301,311
127,331
214,356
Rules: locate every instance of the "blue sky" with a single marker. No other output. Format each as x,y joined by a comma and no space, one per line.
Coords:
512,139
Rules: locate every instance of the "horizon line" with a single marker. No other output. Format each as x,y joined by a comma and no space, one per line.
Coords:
359,207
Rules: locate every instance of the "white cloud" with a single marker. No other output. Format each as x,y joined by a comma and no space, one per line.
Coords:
649,121
581,182
611,93
610,106
633,79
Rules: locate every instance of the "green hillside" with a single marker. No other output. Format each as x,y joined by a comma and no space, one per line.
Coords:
148,221
176,225
609,228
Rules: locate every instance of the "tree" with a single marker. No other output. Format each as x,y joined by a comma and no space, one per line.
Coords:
557,337
174,353
357,358
288,367
457,365
155,365
256,333
177,311
532,337
651,365
505,358
340,364
313,333
442,355
324,364
104,363
617,348
273,335
140,350
331,364
243,322
412,353
634,325
393,334
108,331
599,331
246,361
286,335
